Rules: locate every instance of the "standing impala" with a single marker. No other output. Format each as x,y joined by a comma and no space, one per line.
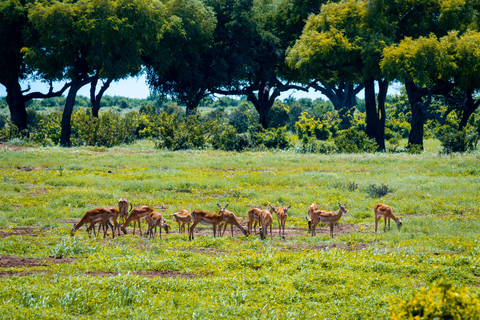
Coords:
154,220
327,217
230,218
281,218
267,221
254,218
123,208
385,212
135,216
93,216
207,218
311,209
182,217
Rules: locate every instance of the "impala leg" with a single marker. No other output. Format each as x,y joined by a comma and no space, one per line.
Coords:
384,224
331,230
376,223
231,229
389,223
190,231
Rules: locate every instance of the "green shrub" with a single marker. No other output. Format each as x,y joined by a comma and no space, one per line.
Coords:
442,301
352,140
459,141
271,138
243,117
375,191
175,134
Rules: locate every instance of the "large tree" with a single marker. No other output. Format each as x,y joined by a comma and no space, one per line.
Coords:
424,58
182,64
86,40
13,69
252,41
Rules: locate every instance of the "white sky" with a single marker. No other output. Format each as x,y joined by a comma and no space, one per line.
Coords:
137,88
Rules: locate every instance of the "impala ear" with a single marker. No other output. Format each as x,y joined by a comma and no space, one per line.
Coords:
339,204
226,206
288,207
219,206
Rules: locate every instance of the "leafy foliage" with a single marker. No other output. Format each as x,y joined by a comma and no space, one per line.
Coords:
442,301
352,141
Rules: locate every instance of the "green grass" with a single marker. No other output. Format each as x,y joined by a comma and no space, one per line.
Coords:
352,276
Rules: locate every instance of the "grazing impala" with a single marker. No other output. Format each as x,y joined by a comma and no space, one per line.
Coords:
311,209
154,220
230,218
207,218
281,218
384,211
266,220
253,218
135,216
123,208
327,217
113,218
93,216
182,217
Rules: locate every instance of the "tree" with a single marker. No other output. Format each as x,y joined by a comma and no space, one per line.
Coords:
252,47
13,69
87,40
182,65
429,61
339,53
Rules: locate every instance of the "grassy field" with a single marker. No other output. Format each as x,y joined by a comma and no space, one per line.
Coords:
45,273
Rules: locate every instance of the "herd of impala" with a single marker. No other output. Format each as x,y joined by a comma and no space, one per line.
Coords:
264,218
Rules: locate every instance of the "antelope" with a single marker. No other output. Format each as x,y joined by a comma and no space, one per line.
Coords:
266,220
281,218
230,218
123,208
182,217
113,217
93,216
384,211
155,219
253,218
312,208
135,216
327,217
207,218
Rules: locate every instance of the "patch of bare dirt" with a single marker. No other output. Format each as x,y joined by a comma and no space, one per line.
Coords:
150,274
21,231
17,262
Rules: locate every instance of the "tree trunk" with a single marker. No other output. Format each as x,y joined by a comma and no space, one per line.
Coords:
96,99
418,119
16,104
68,110
263,102
375,117
343,98
469,108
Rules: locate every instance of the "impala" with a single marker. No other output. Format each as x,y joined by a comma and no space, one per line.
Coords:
384,211
266,220
281,218
207,218
135,216
123,208
93,216
154,220
327,217
311,209
113,218
253,218
182,217
230,218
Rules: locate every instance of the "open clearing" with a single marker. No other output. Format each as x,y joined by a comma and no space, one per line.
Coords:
357,274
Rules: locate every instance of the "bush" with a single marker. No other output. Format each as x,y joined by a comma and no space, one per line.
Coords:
174,134
459,141
442,301
243,117
271,138
375,191
352,140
